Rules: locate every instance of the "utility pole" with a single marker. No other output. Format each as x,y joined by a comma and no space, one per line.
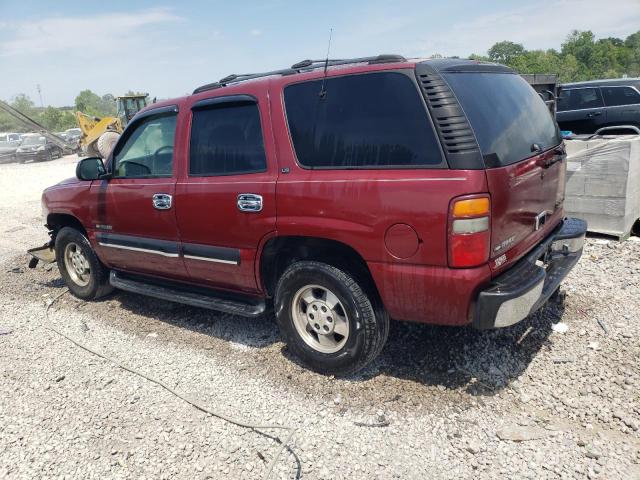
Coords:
40,95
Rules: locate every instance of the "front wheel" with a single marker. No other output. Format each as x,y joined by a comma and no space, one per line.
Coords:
80,268
327,319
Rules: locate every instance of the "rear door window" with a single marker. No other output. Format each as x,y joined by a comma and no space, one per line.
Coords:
226,140
580,99
507,116
375,120
615,96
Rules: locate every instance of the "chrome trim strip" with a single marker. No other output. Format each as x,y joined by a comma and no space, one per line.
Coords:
136,249
216,260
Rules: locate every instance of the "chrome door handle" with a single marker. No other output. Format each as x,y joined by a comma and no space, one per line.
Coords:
249,202
162,201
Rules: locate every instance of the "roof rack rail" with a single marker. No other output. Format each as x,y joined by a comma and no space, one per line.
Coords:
208,86
345,61
297,67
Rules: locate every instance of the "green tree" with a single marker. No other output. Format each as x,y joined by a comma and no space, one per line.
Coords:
581,45
92,104
581,57
68,120
479,58
23,104
505,52
51,119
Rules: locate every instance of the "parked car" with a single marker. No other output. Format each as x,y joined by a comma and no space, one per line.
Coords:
73,136
37,148
374,188
584,107
9,143
73,133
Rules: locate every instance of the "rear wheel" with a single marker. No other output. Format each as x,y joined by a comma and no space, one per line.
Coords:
82,271
327,319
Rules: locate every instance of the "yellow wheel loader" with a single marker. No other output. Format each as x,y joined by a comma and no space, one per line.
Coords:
99,135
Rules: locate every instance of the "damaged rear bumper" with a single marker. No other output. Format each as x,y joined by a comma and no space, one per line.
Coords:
524,288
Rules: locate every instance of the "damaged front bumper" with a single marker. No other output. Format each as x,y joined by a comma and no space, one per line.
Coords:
45,254
524,288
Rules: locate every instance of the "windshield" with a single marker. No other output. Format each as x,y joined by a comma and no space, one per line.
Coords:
34,141
507,115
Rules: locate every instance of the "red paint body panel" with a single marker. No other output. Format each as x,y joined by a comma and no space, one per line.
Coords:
438,295
401,240
69,198
207,212
520,192
126,206
355,207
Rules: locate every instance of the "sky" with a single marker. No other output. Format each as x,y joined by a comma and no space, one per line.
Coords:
170,48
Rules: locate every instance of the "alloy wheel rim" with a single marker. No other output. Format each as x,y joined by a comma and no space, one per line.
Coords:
77,264
320,318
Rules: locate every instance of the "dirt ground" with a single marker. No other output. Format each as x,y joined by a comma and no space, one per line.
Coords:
531,401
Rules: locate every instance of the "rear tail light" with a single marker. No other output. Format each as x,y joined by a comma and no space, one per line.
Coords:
469,231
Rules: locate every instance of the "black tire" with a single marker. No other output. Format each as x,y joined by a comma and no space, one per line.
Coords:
98,276
106,142
368,322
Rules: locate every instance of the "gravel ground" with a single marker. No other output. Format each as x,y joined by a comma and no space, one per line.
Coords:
531,401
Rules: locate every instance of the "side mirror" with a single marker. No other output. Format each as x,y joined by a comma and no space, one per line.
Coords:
91,169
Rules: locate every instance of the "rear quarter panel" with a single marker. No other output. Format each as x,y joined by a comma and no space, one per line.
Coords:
357,207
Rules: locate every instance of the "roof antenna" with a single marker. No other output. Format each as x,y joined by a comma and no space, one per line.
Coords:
323,92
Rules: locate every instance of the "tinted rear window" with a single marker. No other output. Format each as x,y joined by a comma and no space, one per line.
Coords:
579,99
614,96
506,114
376,120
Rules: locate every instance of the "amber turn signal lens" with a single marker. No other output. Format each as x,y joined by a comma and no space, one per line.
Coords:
471,208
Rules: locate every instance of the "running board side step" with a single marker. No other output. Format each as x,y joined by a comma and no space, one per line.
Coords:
210,299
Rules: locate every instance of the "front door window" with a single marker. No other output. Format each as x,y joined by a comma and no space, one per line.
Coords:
148,150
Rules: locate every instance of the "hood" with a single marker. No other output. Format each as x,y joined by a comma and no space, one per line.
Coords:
28,148
66,181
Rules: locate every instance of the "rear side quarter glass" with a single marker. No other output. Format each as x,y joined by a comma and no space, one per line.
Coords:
366,121
617,96
507,115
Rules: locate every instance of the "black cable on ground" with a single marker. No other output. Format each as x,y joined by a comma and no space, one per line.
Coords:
214,413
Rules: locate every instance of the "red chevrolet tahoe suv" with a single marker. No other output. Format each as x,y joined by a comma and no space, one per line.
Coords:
342,192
